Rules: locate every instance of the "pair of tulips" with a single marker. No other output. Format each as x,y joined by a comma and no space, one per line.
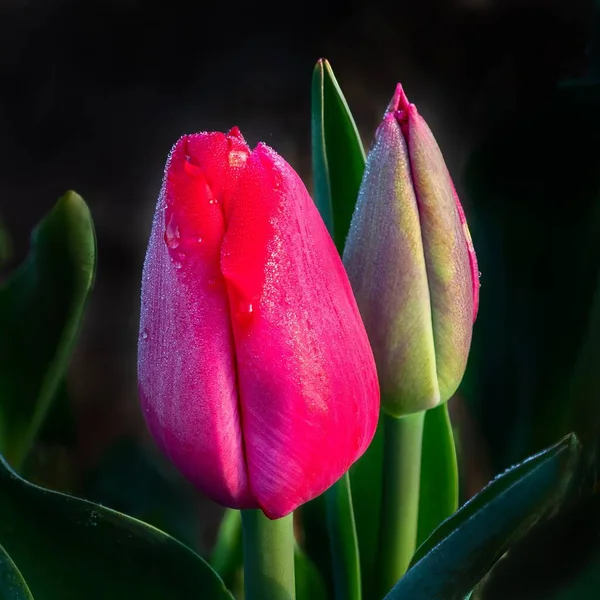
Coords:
263,356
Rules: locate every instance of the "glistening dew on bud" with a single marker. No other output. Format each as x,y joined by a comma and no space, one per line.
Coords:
412,265
255,372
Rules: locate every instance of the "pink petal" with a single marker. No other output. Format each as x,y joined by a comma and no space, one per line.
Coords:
306,374
186,368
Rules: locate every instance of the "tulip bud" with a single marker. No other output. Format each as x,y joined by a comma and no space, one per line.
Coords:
256,377
412,265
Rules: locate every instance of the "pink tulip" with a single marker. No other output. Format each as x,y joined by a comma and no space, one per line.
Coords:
256,377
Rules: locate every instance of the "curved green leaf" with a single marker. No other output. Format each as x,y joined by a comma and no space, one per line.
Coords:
337,154
343,540
41,308
12,584
438,497
69,549
462,550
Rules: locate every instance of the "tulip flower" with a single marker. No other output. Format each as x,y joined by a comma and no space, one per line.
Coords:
412,265
255,372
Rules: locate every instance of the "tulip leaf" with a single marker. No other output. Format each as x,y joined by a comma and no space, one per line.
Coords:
450,563
12,584
337,153
41,308
343,540
227,555
438,497
68,548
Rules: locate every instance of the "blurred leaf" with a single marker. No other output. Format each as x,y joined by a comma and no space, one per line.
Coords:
463,549
337,154
343,541
438,497
12,584
69,549
309,585
228,555
41,308
135,480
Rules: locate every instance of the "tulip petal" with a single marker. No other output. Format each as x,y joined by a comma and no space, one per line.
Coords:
306,374
449,263
186,365
385,260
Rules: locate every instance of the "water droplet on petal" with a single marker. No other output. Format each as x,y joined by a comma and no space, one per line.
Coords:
145,333
172,236
245,310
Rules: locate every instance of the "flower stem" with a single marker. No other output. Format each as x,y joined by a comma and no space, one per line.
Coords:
399,516
268,557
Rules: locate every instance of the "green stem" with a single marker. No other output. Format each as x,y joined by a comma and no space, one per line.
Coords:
343,541
398,521
268,557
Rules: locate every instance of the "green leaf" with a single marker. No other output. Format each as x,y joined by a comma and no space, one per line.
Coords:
337,154
228,555
309,584
41,308
439,473
12,584
463,549
69,549
344,544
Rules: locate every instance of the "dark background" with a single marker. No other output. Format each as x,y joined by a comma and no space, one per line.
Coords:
93,95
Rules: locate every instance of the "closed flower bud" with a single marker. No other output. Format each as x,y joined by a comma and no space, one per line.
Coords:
256,377
412,265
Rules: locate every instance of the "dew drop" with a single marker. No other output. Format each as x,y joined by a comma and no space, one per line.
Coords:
199,240
245,310
172,236
212,282
212,201
145,333
178,265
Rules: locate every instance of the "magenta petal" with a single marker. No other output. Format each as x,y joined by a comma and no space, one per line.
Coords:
186,364
306,374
